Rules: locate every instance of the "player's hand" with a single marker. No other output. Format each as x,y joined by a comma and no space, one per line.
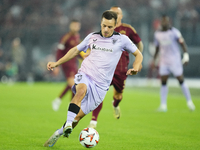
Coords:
185,59
132,72
51,65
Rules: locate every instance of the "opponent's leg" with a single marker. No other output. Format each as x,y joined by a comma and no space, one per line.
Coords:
117,99
186,93
95,114
163,94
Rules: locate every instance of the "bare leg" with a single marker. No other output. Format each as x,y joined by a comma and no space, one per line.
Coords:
117,99
78,117
186,92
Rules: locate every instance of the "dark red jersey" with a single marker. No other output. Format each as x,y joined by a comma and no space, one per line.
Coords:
68,41
128,30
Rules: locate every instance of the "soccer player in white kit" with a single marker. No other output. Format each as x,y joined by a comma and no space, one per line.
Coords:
96,72
167,41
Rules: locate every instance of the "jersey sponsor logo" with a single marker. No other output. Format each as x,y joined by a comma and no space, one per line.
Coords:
94,40
94,47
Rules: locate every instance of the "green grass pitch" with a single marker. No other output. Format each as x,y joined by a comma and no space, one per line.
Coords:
27,120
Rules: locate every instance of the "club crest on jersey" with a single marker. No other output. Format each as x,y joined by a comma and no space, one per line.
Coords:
95,47
79,77
114,41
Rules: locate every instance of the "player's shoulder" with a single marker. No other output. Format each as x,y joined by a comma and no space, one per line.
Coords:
128,26
159,30
124,37
175,29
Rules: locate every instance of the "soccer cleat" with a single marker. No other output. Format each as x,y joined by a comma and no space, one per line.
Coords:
116,112
52,140
162,108
190,105
56,104
93,124
67,130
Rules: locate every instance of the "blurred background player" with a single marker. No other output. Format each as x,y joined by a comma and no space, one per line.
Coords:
70,68
167,40
18,56
120,76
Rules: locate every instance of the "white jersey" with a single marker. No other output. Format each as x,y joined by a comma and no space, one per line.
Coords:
105,54
168,45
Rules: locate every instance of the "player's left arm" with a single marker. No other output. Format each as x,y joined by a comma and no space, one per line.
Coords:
136,64
140,46
182,43
135,38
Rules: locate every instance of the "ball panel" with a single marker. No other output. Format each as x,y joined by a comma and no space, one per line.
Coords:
89,137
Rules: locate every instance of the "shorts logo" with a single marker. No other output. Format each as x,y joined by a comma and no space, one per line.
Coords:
79,77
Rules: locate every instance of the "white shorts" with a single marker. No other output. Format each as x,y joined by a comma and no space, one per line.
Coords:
175,69
94,95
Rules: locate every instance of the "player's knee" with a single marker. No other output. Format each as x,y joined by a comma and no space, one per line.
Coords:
118,96
164,82
180,82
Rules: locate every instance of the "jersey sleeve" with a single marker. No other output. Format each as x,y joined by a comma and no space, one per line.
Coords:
128,45
177,33
84,45
134,36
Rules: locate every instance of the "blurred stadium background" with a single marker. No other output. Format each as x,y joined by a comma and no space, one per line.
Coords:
39,24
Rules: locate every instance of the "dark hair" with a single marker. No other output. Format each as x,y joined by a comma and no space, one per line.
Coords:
74,20
109,15
164,15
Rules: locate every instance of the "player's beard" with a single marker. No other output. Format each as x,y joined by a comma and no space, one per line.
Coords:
106,34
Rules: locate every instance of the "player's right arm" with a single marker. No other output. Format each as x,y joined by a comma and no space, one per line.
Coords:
69,55
83,46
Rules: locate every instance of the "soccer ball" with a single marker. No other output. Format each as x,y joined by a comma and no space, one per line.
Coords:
89,137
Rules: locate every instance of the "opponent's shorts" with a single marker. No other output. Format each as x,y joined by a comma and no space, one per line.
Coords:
69,71
175,69
94,95
118,82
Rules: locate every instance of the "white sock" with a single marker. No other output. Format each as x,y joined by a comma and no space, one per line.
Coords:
70,117
60,131
163,94
186,91
93,122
